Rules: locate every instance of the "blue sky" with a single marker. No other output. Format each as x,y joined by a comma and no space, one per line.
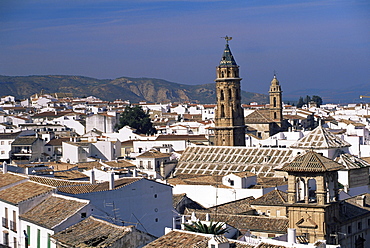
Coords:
311,44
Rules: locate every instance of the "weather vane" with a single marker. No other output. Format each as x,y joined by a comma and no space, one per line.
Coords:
227,38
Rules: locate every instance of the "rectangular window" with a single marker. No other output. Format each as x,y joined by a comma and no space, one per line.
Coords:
15,245
29,235
349,229
149,164
38,238
2,142
14,222
359,225
6,238
5,218
49,242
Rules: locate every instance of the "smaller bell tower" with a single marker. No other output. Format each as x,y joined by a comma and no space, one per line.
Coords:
313,206
276,105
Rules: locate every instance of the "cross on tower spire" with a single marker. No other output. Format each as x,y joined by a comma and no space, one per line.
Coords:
227,38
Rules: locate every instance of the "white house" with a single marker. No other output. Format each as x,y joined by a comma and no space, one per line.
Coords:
13,203
102,122
54,214
140,201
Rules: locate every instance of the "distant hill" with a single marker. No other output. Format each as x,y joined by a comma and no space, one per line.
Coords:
133,89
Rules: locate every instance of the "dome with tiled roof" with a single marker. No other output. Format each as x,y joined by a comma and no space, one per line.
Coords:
311,162
320,138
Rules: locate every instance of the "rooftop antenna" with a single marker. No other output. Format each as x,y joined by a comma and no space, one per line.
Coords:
275,73
227,38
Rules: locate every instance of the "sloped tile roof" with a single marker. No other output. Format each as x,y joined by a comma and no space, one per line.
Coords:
350,209
182,137
88,188
24,140
320,138
184,239
311,162
71,175
259,116
244,222
56,182
217,160
120,164
57,141
153,154
24,191
10,178
93,232
273,198
351,162
214,180
53,211
235,207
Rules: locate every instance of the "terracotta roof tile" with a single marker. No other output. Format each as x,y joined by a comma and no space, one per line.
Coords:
273,198
93,232
53,211
24,191
311,162
88,188
184,239
10,178
320,138
218,160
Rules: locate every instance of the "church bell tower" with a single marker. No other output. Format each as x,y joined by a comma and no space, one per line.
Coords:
276,106
229,117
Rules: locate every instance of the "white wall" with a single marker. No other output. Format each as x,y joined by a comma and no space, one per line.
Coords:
144,201
206,194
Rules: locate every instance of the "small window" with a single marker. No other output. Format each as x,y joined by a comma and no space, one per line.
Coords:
83,215
156,219
359,225
213,246
349,229
155,195
231,182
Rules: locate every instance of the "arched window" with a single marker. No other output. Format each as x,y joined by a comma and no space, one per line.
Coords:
274,115
274,101
222,95
222,110
230,93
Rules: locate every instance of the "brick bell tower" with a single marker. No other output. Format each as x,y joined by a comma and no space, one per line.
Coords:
229,118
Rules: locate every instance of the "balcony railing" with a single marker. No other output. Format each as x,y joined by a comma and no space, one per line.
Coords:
13,226
5,222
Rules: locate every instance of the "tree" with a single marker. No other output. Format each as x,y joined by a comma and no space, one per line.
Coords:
317,100
300,102
212,228
136,118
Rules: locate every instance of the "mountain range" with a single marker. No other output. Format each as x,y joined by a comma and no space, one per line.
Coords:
125,88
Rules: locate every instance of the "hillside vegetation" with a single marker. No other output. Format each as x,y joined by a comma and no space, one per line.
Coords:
133,89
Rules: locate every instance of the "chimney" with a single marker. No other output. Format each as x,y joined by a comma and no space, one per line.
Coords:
92,177
361,200
5,167
292,235
208,217
111,180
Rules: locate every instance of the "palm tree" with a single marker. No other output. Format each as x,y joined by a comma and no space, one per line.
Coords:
212,228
